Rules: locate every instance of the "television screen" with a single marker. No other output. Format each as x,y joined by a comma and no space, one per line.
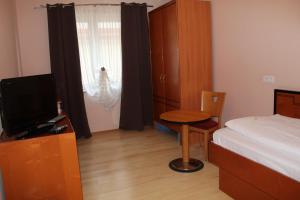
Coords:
27,102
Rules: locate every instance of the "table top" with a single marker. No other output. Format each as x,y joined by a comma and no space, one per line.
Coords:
184,116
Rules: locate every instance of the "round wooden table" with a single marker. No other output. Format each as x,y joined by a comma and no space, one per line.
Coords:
185,164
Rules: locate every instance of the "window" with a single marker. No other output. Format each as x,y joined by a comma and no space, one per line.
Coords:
99,37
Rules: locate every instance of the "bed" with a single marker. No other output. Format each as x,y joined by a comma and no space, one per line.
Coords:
257,171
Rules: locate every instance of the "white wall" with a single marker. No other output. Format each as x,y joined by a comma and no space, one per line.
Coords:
8,53
252,39
34,51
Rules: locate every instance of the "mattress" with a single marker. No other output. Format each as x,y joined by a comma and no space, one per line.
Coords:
267,155
274,131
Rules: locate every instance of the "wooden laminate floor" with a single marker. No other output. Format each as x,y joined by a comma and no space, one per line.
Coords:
129,165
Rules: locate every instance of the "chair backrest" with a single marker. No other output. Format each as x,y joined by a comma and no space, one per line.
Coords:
212,103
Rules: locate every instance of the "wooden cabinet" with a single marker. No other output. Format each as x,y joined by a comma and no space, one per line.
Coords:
180,35
170,57
44,167
157,62
164,55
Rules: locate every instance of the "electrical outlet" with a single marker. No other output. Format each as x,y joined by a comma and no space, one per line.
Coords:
269,79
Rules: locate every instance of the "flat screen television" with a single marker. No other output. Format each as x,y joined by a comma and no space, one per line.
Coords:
26,102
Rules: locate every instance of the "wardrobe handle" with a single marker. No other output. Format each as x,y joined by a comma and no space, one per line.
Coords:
161,77
164,77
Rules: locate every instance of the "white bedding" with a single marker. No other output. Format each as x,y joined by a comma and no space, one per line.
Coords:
272,157
277,131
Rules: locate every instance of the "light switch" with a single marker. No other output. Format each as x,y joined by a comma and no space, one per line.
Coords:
269,79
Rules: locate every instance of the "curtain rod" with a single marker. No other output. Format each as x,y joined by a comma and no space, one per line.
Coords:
90,4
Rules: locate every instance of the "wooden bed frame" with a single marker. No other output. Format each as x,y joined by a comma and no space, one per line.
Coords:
244,179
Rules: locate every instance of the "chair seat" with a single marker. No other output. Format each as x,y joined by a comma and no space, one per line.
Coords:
205,125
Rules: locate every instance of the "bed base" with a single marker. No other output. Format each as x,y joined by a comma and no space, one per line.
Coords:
244,179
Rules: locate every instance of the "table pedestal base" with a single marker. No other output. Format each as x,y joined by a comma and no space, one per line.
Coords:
191,166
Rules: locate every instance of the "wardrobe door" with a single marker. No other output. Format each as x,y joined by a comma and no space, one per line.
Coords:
195,44
156,38
170,57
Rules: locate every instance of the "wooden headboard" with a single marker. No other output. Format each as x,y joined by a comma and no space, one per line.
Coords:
287,103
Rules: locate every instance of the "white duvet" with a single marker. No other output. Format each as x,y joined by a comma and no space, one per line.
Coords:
277,131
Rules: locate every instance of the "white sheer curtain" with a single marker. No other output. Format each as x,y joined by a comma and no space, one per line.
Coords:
99,37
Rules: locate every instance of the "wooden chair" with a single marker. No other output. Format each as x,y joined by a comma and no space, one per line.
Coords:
212,103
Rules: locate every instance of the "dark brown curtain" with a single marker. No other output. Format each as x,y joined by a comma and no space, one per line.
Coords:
65,65
136,99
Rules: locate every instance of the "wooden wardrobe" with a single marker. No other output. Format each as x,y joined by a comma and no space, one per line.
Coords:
181,55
